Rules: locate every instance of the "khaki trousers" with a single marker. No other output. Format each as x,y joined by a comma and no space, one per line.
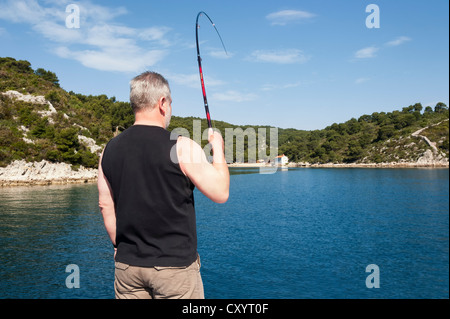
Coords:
133,282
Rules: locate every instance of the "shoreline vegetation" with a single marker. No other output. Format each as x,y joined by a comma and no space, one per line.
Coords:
21,173
345,165
51,136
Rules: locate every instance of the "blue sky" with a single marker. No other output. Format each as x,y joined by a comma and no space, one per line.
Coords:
291,64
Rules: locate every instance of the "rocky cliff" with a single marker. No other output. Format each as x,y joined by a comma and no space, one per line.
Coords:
44,173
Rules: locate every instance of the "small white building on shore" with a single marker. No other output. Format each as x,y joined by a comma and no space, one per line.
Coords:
281,160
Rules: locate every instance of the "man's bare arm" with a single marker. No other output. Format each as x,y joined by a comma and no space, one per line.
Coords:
106,203
213,180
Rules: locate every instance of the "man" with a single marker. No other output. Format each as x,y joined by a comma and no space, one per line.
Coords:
145,183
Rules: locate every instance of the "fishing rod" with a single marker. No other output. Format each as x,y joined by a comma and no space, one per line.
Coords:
199,59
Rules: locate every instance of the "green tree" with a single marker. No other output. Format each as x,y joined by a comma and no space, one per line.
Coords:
42,129
386,132
440,107
417,107
353,126
355,151
428,110
48,76
53,97
67,139
20,66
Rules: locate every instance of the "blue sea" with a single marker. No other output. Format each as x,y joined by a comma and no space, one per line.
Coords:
297,234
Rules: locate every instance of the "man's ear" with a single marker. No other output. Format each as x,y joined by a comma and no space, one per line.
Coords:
162,108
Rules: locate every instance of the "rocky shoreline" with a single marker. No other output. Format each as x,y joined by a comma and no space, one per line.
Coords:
22,173
351,165
429,159
377,165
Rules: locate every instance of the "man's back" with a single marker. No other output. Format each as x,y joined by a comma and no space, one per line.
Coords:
154,200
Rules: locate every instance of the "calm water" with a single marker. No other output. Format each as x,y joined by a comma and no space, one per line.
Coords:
302,233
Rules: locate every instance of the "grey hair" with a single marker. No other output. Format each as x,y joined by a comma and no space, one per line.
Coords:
146,89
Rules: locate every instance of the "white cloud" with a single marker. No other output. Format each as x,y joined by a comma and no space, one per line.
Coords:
271,87
280,57
58,32
365,53
219,54
30,11
234,96
288,16
370,52
92,12
157,34
189,80
398,41
192,80
114,59
99,43
361,80
23,11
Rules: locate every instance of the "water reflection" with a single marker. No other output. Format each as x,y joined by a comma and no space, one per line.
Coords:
43,229
240,171
258,170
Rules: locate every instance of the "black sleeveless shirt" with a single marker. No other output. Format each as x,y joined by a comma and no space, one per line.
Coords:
154,201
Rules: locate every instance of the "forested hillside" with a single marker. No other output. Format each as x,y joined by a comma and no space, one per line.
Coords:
376,138
73,128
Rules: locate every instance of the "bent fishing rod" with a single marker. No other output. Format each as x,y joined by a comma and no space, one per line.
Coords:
199,59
